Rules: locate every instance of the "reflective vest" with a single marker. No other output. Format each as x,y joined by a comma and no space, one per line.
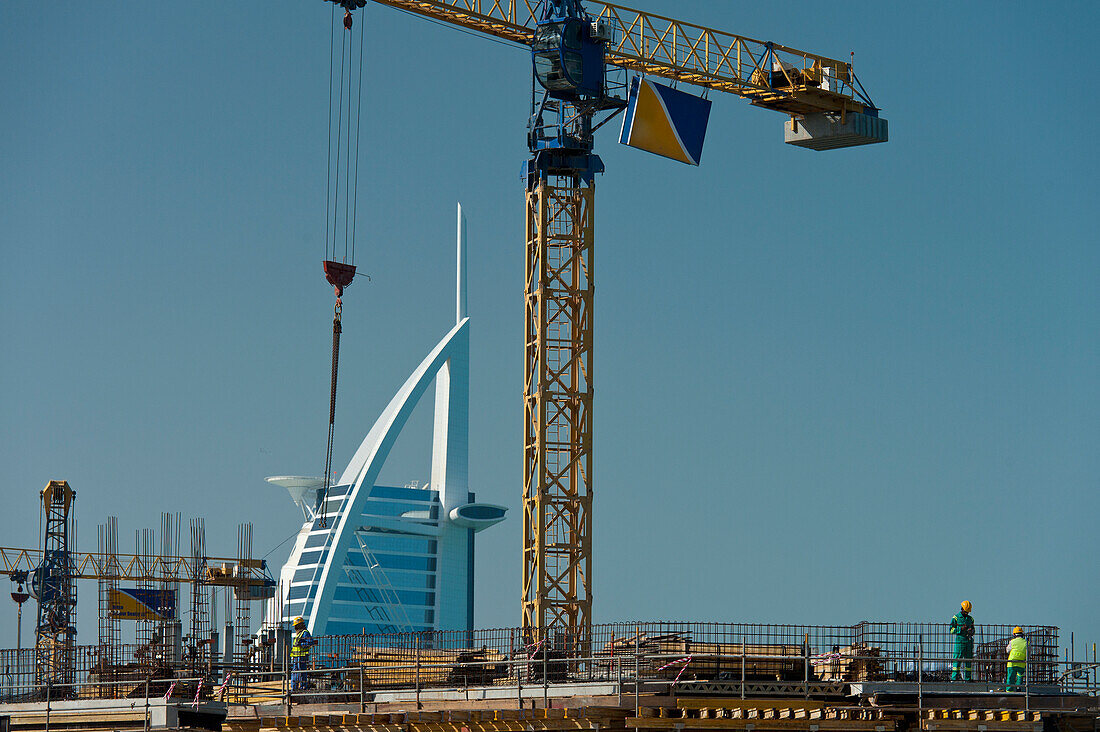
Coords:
302,642
1017,651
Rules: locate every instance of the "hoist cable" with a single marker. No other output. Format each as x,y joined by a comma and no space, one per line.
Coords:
339,138
347,168
328,148
358,117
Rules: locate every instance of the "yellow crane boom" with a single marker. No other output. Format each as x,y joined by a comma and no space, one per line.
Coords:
768,74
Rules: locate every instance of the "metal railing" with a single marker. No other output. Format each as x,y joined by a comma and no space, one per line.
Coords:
740,658
53,695
524,680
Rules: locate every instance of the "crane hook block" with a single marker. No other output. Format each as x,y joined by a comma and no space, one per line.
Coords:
339,275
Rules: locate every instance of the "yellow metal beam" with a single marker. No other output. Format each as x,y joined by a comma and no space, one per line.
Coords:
131,567
768,74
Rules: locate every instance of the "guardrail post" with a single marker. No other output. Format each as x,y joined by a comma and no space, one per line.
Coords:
545,676
637,670
806,665
146,705
1027,691
362,692
920,675
48,705
619,676
515,665
286,683
418,706
742,667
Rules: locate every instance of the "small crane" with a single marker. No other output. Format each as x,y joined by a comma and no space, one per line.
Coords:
573,47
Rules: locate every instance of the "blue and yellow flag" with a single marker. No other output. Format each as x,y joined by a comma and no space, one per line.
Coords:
141,604
664,121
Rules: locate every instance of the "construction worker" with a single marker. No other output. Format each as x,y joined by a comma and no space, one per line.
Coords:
299,655
1017,659
962,627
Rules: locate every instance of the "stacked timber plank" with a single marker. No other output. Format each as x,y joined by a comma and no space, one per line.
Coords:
762,661
389,667
851,663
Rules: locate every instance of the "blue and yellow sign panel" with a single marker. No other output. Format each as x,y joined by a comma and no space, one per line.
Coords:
135,604
664,121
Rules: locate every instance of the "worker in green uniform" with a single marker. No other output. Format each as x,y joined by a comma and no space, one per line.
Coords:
1017,659
962,627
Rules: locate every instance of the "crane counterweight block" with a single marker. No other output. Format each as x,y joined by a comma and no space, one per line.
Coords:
824,131
339,275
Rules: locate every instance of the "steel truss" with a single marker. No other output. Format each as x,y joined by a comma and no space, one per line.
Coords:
557,478
55,634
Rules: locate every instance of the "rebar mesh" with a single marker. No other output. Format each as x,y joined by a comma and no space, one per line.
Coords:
672,652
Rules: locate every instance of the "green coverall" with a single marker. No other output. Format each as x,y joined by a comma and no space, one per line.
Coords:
1017,660
962,627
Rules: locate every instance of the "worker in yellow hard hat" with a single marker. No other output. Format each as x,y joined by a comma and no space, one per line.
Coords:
962,627
1017,660
299,655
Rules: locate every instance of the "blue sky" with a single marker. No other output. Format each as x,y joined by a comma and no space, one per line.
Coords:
830,387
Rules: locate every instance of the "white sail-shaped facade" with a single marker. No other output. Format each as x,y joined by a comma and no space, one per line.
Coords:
387,559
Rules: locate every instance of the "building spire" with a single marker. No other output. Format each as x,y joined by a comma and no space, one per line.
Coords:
460,290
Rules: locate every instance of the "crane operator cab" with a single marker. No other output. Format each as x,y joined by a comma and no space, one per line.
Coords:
568,54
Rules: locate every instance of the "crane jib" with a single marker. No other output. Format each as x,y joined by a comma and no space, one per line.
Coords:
770,75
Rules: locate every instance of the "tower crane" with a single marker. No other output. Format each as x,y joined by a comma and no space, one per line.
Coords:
573,45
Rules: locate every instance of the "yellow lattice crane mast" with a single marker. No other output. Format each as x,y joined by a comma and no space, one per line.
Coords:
573,45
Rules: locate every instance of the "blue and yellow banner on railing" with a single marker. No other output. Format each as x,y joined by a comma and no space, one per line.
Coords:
664,121
140,604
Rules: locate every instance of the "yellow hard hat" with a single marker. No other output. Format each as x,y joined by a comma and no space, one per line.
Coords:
299,621
966,606
1017,630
